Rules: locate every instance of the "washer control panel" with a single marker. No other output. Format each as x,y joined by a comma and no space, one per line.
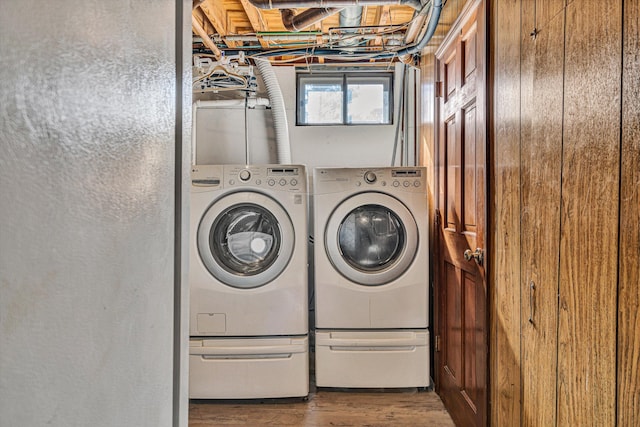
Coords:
277,177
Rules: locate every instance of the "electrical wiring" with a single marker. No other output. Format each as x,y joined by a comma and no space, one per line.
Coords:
294,59
433,8
333,48
342,48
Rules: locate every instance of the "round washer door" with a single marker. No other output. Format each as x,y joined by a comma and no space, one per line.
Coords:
245,239
371,238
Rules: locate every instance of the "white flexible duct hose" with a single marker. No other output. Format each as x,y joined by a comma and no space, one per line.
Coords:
283,146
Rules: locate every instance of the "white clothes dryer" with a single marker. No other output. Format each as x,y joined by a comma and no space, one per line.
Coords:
371,277
248,281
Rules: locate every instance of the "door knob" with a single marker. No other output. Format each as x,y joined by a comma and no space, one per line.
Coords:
478,255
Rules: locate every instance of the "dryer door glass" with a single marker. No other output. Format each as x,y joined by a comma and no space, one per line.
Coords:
371,238
245,239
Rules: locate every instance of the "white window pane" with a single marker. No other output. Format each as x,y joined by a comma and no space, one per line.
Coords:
358,98
366,103
323,103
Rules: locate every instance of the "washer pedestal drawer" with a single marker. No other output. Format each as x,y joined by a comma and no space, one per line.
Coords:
248,368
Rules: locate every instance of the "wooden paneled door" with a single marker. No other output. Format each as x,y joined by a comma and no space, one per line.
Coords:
461,287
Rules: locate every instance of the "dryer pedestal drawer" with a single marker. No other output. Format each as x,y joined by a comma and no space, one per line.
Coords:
372,359
248,368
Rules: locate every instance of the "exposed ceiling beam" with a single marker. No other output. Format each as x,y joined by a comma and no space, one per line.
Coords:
202,19
216,13
256,19
383,17
199,30
365,11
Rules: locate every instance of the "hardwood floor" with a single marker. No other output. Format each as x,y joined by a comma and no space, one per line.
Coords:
327,407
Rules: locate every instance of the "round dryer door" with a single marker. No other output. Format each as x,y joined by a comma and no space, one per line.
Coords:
371,238
245,239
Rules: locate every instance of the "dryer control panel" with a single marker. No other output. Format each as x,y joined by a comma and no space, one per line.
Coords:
410,179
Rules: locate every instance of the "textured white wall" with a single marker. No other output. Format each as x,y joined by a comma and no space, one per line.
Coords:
340,146
87,131
220,134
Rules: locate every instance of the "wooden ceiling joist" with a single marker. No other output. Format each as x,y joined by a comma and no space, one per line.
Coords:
200,31
230,18
257,21
218,16
383,17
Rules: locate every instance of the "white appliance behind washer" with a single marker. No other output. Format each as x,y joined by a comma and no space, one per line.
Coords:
248,282
371,277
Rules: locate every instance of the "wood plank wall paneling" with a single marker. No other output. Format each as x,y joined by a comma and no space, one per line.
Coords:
504,211
564,176
589,227
597,240
629,288
543,12
541,168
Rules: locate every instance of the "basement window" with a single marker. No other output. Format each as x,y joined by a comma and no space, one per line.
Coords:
344,99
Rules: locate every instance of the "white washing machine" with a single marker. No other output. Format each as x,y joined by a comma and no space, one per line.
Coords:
248,282
371,277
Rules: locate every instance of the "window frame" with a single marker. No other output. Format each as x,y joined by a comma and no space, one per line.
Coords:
387,77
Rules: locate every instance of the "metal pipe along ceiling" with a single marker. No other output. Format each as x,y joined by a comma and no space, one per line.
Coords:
293,22
350,17
434,7
429,31
292,4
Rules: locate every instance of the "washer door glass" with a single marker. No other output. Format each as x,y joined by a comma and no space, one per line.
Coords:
245,239
371,238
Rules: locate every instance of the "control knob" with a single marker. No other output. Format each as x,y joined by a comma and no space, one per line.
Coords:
244,175
370,177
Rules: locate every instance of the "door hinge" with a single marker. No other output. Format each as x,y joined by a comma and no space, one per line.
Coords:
438,89
436,217
437,343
